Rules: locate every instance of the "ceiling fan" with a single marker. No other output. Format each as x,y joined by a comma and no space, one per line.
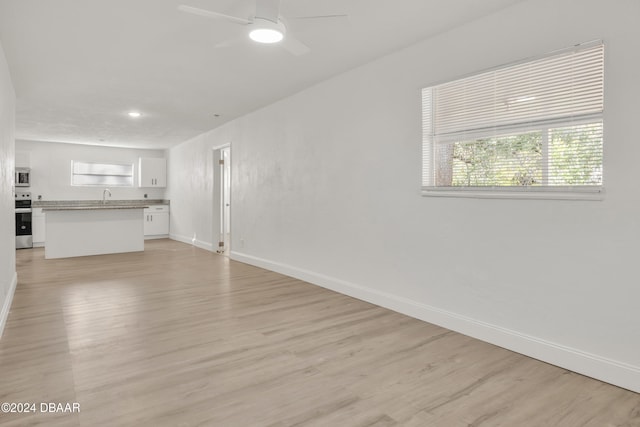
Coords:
266,26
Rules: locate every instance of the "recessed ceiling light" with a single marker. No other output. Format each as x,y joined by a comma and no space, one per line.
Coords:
134,114
267,31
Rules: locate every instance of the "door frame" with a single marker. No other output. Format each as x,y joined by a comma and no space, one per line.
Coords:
221,242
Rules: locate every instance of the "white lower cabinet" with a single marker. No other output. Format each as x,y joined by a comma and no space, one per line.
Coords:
37,227
156,221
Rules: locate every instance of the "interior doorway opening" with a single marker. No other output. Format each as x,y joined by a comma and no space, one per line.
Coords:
222,198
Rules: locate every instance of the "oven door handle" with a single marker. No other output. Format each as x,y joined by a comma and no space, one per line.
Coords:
23,210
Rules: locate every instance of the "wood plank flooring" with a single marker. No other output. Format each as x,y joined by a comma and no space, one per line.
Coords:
178,336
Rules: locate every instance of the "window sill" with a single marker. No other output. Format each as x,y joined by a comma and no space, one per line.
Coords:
562,193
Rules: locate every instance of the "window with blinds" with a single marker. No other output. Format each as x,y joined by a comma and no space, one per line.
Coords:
101,174
534,126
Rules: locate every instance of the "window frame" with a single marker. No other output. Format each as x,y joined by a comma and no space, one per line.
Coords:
571,192
130,176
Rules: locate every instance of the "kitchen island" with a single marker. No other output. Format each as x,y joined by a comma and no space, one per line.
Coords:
73,231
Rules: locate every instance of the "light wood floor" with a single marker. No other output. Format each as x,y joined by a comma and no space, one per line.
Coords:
178,336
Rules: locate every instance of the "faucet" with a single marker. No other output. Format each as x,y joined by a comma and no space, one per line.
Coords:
104,195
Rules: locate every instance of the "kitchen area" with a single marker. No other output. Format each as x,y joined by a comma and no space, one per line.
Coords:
79,200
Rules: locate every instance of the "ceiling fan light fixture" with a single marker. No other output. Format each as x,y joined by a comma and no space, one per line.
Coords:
263,35
266,31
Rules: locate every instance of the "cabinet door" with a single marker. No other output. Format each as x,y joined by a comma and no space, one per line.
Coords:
156,224
161,223
152,172
147,224
160,173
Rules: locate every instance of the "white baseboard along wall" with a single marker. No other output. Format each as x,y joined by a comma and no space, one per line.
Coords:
192,241
6,307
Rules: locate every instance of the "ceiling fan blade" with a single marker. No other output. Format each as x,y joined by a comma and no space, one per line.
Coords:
268,9
295,46
210,14
229,43
336,16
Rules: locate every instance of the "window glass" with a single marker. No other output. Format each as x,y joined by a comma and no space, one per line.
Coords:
101,174
534,125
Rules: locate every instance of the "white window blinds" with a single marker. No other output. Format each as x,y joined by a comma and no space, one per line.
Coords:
101,174
532,124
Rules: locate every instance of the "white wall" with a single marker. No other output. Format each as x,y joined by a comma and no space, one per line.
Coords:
326,188
190,182
51,170
8,276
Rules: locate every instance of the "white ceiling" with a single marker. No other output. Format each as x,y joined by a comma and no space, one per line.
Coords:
79,65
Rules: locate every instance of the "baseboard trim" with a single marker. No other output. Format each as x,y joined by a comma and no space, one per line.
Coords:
191,241
6,307
592,365
155,237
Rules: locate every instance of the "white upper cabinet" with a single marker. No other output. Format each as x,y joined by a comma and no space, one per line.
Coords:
152,172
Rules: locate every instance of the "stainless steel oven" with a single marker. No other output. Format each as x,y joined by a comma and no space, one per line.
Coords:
24,238
23,177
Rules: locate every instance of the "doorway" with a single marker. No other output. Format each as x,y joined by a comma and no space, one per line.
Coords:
222,198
